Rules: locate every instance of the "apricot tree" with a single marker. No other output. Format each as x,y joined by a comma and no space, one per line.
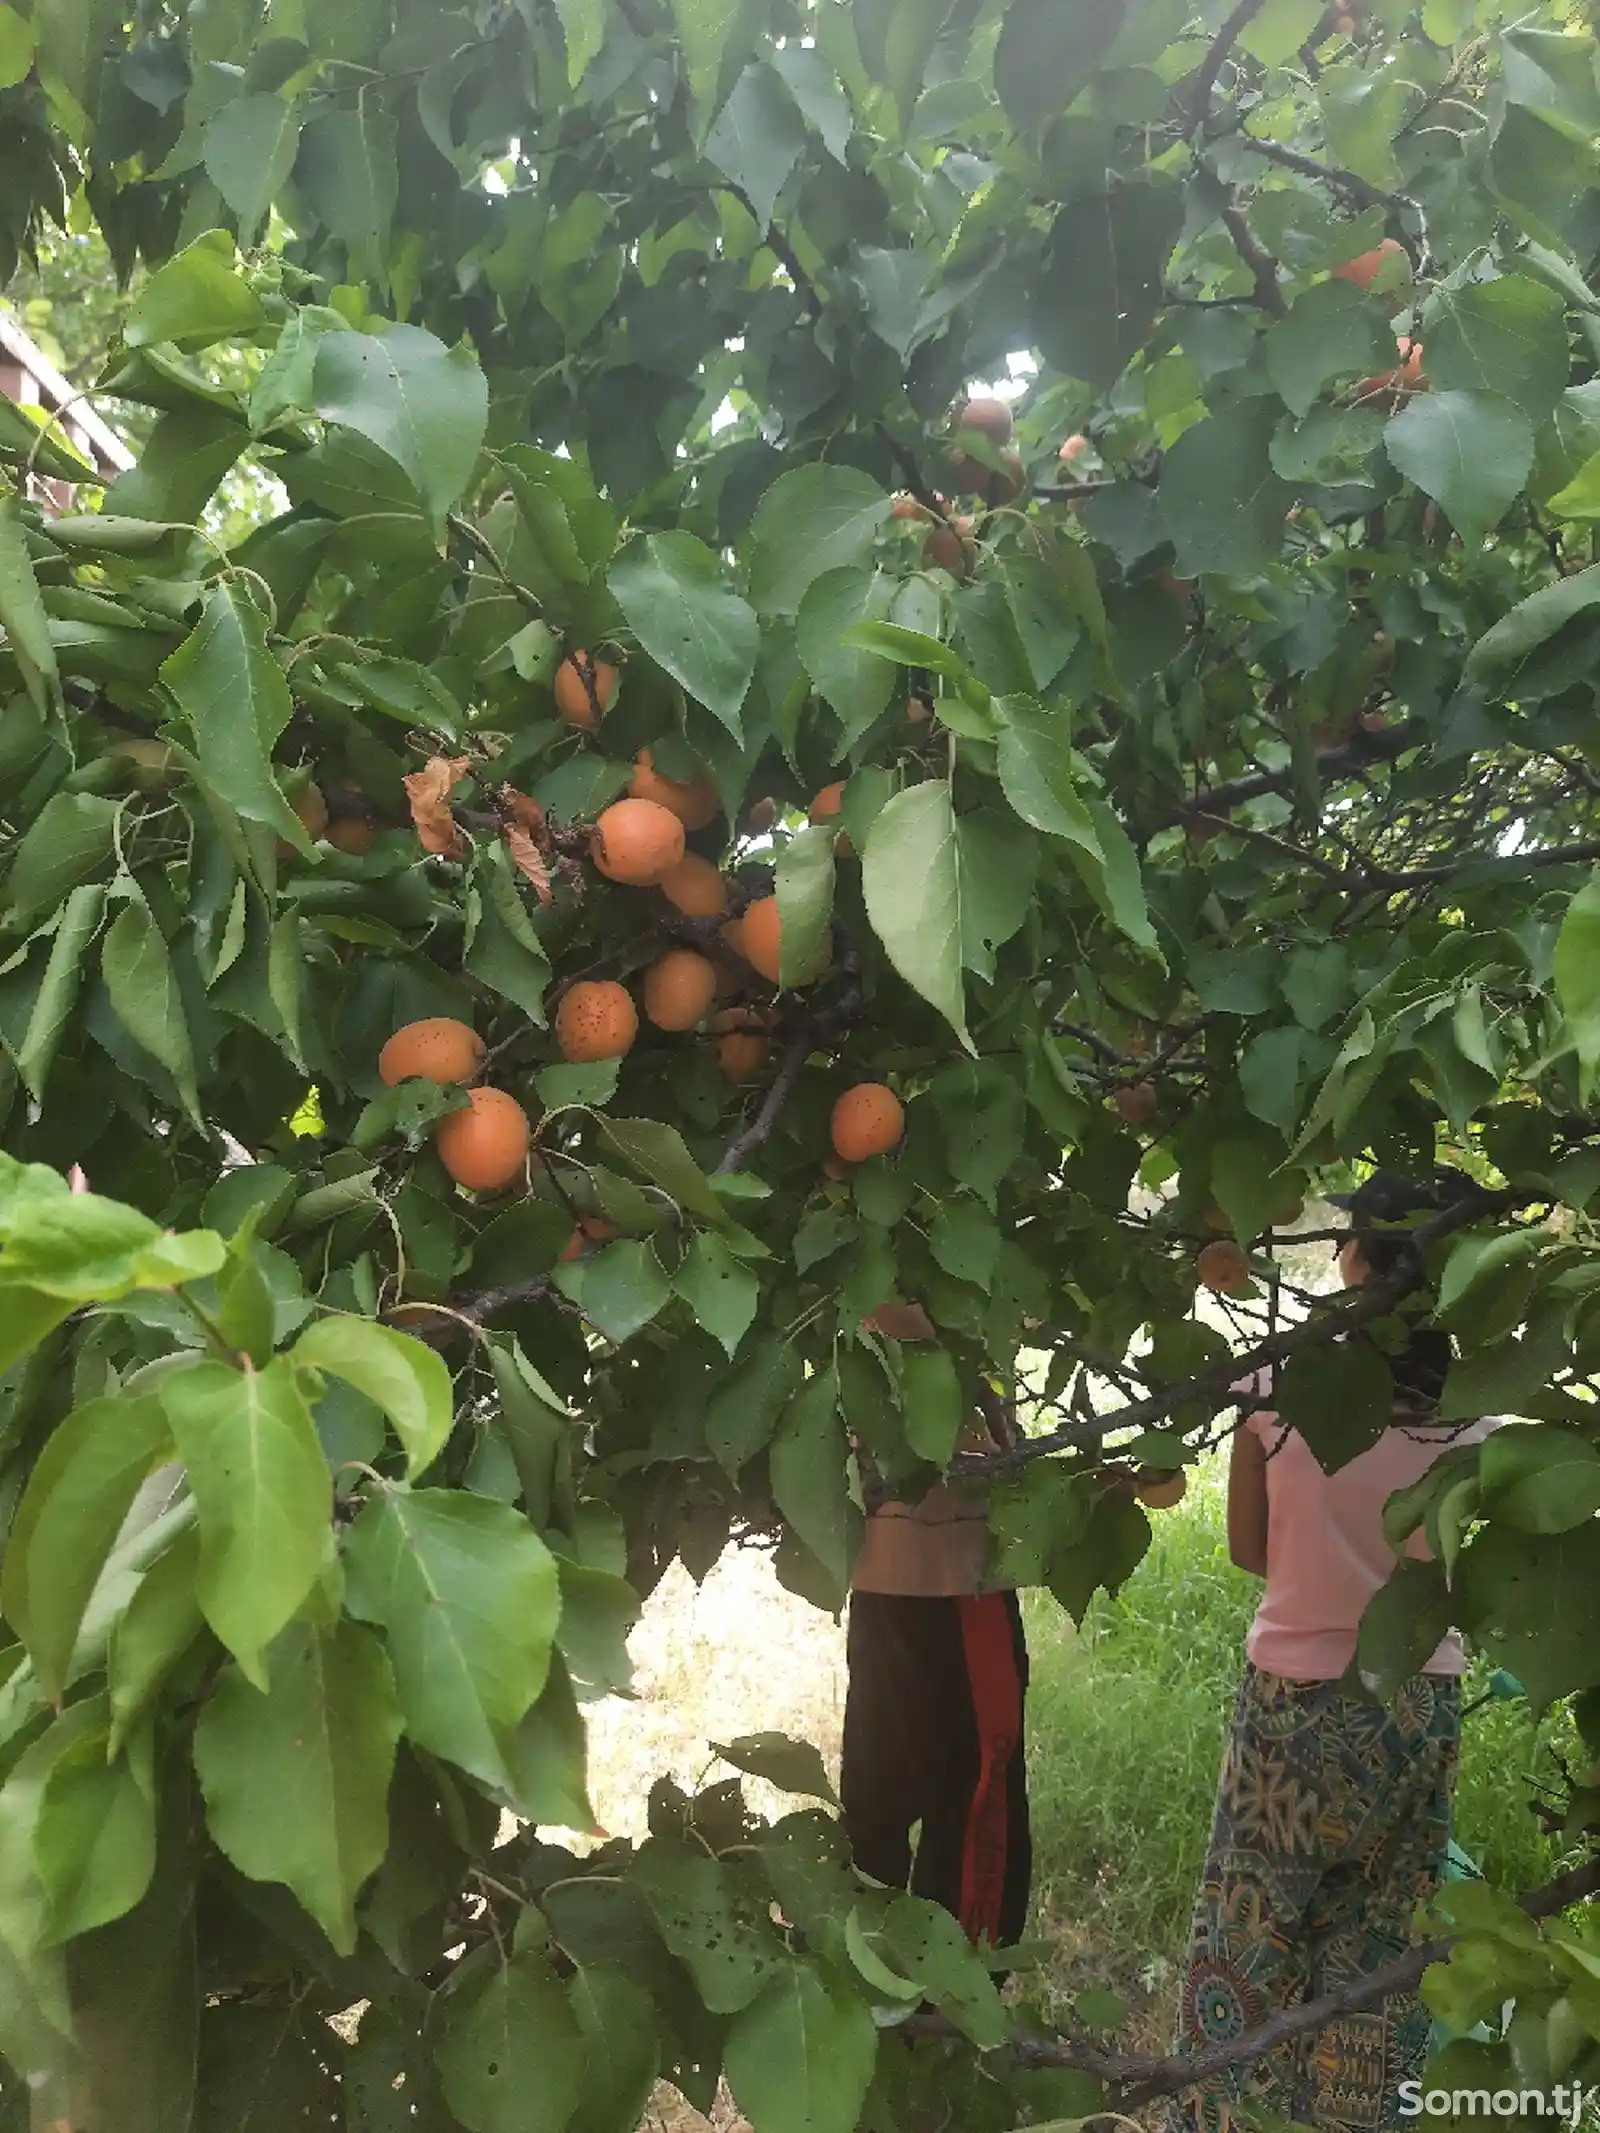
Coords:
1108,815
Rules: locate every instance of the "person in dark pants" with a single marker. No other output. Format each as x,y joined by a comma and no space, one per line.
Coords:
932,1778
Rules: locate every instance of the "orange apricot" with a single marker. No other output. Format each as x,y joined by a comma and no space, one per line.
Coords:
1158,1490
435,1049
637,841
1364,269
760,932
678,988
867,1120
1136,1104
951,547
1222,1266
1073,448
596,1020
695,804
486,1145
354,834
584,687
695,887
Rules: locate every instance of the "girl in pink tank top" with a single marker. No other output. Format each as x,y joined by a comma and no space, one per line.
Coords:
1333,1811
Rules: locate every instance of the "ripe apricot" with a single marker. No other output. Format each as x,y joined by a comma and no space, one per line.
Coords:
695,804
990,418
867,1120
1222,1266
1136,1104
678,988
1363,270
637,841
695,887
905,507
354,834
572,688
312,809
1008,484
1158,1490
951,547
1073,448
486,1145
435,1049
1374,722
826,803
918,711
591,1229
741,1043
760,931
763,813
596,1020
1396,385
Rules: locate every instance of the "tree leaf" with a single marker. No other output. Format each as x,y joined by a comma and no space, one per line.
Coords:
1402,1626
348,174
145,999
711,1920
672,591
16,48
999,870
791,1765
402,1376
58,990
184,461
622,2033
1506,337
911,878
931,1396
95,1840
250,1449
1501,653
1469,451
1331,330
814,518
22,613
659,1152
801,2059
598,1611
1539,1478
706,32
423,404
858,683
71,1512
296,1777
1576,969
1340,1398
1048,53
285,382
549,1759
809,1483
510,2052
152,1633
619,1289
1220,500
467,1596
1099,291
70,841
195,299
232,693
583,24
720,1290
757,138
804,883
249,151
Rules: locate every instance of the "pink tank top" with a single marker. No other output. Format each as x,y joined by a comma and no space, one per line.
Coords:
1326,1553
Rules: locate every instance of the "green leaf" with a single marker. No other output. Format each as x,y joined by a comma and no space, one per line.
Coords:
743,1409
1530,1601
1221,502
999,872
549,1759
1331,330
804,882
503,948
673,593
145,999
1049,52
791,1765
659,1152
720,1290
910,876
1539,1478
934,1409
809,1482
348,174
1576,969
706,30
285,383
425,405
72,1510
813,519
296,1777
250,147
857,682
965,1240
622,2034
22,613
1340,1398
801,2059
402,1376
183,462
250,1449
1506,337
152,1633
583,24
757,138
16,48
1497,659
232,693
1100,288
95,1840
712,1921
1403,1625
579,267
510,2052
58,990
1470,451
467,1596
72,840
619,1289
923,1941
195,299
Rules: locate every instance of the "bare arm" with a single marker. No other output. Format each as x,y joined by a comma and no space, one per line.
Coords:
1247,1503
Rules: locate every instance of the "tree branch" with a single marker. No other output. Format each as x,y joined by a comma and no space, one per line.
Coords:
1216,59
1344,181
759,1130
1262,265
1362,749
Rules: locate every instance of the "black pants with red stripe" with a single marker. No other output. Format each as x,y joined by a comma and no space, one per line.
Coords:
933,1735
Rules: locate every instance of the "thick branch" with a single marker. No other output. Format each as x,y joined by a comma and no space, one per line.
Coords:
1262,265
1344,181
1362,749
1216,59
759,1130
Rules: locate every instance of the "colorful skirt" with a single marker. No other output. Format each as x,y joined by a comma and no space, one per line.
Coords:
1332,1824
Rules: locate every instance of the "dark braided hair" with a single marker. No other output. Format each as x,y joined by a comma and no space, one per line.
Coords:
1383,1212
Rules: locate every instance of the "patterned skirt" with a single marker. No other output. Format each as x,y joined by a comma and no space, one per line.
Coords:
1331,1827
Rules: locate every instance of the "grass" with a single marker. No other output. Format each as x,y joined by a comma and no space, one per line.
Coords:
1126,1724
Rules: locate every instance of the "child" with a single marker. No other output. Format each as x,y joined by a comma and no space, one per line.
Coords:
1333,1812
938,1672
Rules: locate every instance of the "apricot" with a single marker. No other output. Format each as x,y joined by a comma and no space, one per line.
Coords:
1073,448
591,1229
825,807
990,418
694,804
678,988
354,834
1222,1266
741,1043
575,676
596,1020
1363,270
1215,1221
1008,484
435,1049
1136,1104
951,547
918,711
1396,385
312,809
637,841
763,813
486,1145
907,507
1158,1490
867,1120
760,932
1374,722
695,887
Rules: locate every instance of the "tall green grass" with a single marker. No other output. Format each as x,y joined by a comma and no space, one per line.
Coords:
1126,1727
